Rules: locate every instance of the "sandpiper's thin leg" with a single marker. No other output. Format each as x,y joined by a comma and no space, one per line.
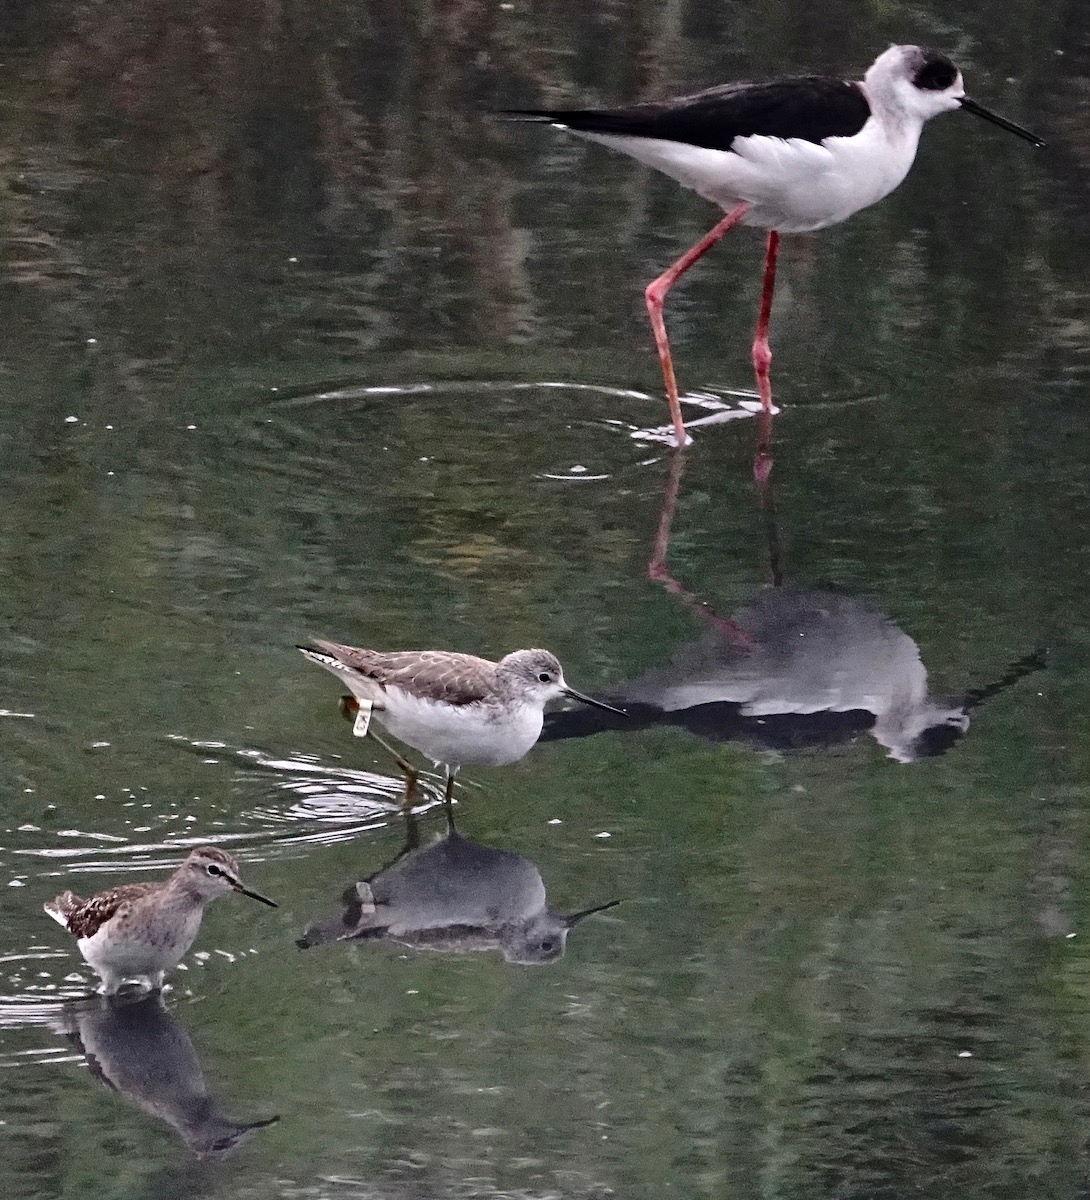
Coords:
655,295
399,758
408,770
762,355
409,799
448,794
412,835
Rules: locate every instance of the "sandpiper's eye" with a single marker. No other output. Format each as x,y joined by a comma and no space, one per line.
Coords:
548,946
212,869
545,677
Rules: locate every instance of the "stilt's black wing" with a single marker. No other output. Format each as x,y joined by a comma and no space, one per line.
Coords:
811,107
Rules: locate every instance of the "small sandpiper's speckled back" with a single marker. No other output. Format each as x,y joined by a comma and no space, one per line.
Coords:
139,931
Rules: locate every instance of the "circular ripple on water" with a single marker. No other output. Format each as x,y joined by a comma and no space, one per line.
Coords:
561,431
308,801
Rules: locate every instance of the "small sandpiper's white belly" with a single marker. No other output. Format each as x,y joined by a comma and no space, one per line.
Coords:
790,185
140,948
488,735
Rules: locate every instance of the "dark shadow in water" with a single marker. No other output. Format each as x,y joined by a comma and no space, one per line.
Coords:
791,667
141,1052
453,895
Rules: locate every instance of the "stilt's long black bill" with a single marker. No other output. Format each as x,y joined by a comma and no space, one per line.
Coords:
593,703
244,891
575,918
1036,660
980,111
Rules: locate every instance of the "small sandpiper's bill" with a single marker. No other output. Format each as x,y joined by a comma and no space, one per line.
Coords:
139,931
457,709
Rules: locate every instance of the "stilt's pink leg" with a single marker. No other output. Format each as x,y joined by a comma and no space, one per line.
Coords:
655,294
762,355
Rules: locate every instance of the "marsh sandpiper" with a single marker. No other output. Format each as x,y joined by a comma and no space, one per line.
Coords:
457,709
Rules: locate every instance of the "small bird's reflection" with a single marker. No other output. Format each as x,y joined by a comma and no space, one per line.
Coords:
453,895
790,667
141,1052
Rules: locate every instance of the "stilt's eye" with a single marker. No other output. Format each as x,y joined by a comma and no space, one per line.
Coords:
936,74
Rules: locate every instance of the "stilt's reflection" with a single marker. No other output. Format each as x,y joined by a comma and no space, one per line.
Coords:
453,895
141,1052
790,667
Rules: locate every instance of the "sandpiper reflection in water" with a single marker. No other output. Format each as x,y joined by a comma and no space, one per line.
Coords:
453,895
139,1050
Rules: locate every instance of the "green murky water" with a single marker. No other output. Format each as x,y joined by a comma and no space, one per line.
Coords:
297,342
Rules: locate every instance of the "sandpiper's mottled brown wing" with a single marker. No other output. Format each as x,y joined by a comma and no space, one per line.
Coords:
85,917
441,675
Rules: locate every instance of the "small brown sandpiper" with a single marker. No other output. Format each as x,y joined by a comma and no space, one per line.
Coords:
139,931
457,709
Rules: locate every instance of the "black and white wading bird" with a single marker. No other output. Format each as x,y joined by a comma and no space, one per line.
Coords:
788,155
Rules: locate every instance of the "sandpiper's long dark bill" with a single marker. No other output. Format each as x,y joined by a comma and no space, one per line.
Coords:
139,931
457,709
786,155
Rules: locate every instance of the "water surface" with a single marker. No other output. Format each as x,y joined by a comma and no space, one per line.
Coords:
299,342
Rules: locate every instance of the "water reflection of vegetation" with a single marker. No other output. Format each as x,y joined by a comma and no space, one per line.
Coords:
249,176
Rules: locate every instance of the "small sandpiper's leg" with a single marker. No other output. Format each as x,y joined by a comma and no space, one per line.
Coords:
111,983
655,295
762,360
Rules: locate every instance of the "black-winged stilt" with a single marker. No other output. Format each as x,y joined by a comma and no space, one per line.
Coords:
789,155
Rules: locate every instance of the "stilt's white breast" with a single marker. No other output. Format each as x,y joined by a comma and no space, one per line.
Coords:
790,184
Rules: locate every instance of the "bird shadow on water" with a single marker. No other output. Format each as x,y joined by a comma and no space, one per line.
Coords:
141,1052
135,1045
456,896
791,667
